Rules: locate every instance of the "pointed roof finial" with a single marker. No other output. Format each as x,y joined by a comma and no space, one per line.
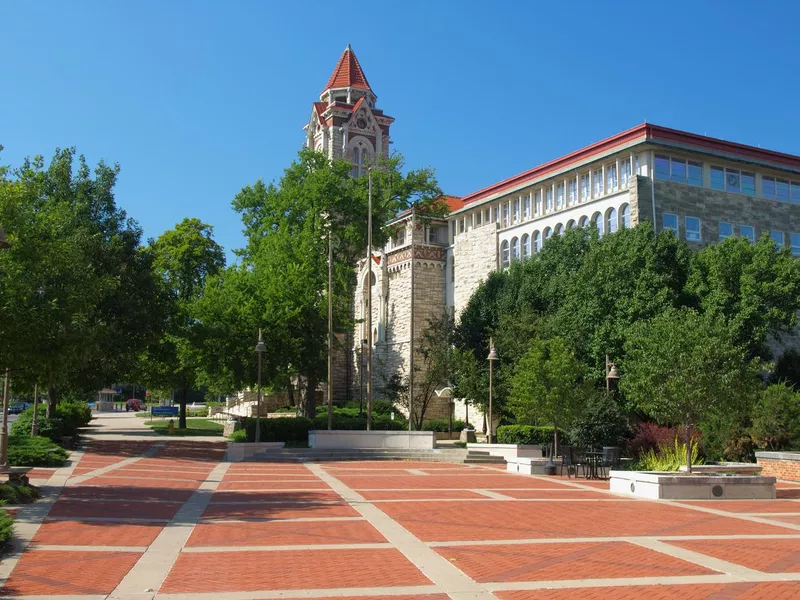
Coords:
348,73
348,49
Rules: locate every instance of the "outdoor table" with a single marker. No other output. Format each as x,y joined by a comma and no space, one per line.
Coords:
593,462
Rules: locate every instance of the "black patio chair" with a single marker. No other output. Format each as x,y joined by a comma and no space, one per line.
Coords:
579,461
566,461
611,458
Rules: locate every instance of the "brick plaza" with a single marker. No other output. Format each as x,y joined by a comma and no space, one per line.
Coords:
172,520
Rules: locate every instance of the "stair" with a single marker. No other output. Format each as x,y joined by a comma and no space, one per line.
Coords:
482,457
450,455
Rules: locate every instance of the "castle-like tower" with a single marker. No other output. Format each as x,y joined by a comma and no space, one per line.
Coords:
345,123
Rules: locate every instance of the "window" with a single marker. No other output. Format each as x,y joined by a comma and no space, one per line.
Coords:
537,203
526,207
796,192
695,173
611,221
547,233
782,190
662,167
549,199
611,178
526,247
583,221
515,249
597,177
692,229
625,171
516,210
678,170
400,238
462,226
768,187
478,217
725,231
777,237
573,191
504,254
733,180
669,221
560,196
747,231
718,178
487,215
795,239
559,229
598,222
537,241
749,183
585,187
505,214
626,216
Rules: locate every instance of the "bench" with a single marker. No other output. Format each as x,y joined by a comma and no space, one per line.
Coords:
16,475
526,465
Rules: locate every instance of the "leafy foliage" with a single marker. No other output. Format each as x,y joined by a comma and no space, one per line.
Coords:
6,528
776,418
649,436
528,434
669,457
599,422
18,494
34,451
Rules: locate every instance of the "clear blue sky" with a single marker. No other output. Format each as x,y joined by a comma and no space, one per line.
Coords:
196,99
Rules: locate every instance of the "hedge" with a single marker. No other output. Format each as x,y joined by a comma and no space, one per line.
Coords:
529,434
295,429
443,425
6,528
34,451
70,416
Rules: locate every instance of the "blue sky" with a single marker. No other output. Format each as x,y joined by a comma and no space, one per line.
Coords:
196,99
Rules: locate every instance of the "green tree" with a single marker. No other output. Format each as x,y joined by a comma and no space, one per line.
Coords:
546,386
681,367
184,258
776,418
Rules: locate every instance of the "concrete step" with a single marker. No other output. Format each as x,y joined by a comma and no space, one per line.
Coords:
454,455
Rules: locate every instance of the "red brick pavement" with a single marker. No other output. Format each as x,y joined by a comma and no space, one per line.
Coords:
40,473
565,494
420,495
770,556
77,533
134,494
277,511
464,482
111,481
446,521
729,591
284,533
50,573
292,569
277,496
117,510
544,562
272,485
750,506
786,519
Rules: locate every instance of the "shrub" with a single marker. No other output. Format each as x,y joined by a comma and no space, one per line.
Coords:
17,494
668,457
238,436
52,428
650,436
74,414
295,429
529,434
6,528
776,418
443,425
600,423
34,451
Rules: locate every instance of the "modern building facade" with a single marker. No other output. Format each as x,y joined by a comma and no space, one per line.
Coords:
704,189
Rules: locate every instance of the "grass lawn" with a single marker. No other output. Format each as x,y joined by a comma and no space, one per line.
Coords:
193,427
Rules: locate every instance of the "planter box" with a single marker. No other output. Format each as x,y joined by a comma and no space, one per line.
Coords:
509,451
741,468
406,440
675,486
526,465
782,465
238,452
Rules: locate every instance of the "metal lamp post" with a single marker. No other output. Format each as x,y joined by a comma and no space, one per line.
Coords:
4,244
612,374
260,349
491,358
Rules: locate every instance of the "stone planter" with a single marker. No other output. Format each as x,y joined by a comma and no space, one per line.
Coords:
242,451
509,451
677,486
405,440
526,465
782,465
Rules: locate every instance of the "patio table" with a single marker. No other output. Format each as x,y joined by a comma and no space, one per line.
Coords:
593,460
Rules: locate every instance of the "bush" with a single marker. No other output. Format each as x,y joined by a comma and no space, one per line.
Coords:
668,457
295,429
74,414
650,436
6,528
238,436
17,494
529,434
776,418
443,425
53,428
34,451
601,423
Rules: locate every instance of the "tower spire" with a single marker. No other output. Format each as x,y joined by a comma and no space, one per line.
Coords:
348,73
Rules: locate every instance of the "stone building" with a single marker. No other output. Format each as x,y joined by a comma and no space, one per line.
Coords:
704,189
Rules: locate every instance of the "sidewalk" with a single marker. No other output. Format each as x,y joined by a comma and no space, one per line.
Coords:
119,426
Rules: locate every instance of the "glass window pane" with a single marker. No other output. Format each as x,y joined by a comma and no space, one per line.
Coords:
747,231
662,167
598,221
725,230
679,170
768,187
626,216
693,229
504,254
777,236
796,192
695,173
718,178
732,180
669,221
795,238
782,190
749,183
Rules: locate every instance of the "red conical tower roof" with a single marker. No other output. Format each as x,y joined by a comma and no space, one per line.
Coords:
348,73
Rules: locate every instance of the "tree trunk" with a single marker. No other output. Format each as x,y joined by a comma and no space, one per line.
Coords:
688,438
52,401
309,399
182,414
290,392
555,439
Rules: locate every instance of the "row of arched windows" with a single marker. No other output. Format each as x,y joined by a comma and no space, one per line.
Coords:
520,248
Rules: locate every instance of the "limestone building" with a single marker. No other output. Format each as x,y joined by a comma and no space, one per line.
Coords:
704,189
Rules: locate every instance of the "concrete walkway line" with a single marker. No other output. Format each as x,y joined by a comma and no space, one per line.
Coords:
417,590
599,540
491,494
446,576
371,546
742,516
150,571
702,560
149,453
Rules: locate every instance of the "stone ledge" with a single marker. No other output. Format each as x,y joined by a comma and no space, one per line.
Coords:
406,440
674,486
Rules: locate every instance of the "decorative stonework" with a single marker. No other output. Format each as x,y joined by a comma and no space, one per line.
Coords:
427,253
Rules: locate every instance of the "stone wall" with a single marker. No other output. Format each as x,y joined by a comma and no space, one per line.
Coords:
640,199
475,256
782,465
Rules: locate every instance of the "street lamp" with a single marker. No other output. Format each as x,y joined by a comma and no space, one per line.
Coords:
491,358
612,374
260,349
4,244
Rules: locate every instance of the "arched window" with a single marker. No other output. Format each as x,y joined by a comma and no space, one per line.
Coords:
537,241
515,249
526,247
547,233
570,224
597,219
583,222
625,214
559,229
611,220
504,254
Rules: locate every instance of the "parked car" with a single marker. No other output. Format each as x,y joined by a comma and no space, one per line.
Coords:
133,404
16,408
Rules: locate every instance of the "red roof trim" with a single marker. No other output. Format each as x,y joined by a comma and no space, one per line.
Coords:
348,73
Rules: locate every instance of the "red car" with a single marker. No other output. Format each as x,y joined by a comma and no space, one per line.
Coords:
133,404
